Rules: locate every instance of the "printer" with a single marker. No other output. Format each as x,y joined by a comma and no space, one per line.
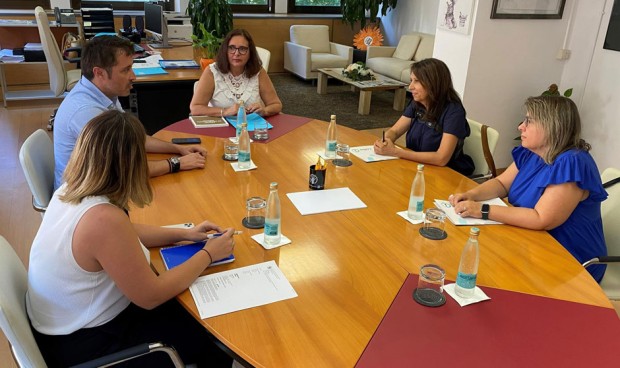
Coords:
179,26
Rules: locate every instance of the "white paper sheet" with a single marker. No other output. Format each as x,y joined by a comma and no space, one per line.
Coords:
446,207
367,153
328,200
241,288
479,295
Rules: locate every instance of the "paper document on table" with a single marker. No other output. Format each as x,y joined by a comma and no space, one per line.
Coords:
147,62
367,153
329,200
446,207
241,288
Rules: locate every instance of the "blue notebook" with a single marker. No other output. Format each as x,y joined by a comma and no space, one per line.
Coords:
149,71
252,119
175,255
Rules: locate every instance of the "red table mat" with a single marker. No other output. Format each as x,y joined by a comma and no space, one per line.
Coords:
282,124
510,330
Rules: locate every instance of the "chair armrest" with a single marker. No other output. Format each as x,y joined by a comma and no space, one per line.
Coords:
601,260
341,50
380,51
297,58
134,352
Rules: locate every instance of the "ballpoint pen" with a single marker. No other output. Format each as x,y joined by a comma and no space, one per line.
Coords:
215,235
383,136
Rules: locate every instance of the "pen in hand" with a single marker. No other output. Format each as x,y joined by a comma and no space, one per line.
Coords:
215,235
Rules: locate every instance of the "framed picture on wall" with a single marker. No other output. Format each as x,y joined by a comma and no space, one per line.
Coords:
455,15
527,9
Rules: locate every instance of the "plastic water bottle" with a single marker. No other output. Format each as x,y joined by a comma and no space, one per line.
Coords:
241,118
330,142
415,211
468,267
273,233
244,148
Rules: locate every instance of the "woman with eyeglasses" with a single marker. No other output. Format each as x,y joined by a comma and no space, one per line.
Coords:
236,75
434,122
553,183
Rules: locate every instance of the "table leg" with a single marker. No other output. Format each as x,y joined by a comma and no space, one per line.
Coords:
364,105
399,99
321,86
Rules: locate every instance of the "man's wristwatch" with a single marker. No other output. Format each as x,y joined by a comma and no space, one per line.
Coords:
485,211
175,164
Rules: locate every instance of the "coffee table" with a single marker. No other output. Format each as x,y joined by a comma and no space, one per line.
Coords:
381,83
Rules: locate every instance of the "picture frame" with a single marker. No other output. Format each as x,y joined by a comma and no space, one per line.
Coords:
455,15
527,9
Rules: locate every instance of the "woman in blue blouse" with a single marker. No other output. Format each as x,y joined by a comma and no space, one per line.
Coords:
435,121
553,184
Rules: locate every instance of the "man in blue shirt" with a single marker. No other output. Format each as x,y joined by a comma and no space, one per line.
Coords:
106,75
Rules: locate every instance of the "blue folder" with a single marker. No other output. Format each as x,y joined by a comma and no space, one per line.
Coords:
177,254
252,119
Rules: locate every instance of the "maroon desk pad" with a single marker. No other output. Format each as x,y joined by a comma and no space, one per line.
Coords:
282,124
510,330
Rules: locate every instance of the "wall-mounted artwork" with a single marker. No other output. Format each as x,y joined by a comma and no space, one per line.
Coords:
527,9
612,39
455,15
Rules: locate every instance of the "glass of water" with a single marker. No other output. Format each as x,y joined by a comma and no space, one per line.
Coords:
261,130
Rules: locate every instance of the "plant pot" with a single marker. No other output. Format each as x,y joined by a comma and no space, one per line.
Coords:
204,63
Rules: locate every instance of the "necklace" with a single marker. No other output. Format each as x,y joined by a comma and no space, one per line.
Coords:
236,84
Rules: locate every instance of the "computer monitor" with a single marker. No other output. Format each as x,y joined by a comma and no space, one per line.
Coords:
155,24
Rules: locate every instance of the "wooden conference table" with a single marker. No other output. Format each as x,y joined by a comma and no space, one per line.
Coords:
346,266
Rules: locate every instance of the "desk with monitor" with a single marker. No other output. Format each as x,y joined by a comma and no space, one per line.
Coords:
348,266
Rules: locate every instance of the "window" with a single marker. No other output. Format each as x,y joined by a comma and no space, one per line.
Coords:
252,6
128,4
314,6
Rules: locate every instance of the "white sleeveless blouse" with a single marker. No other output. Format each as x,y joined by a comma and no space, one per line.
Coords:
230,89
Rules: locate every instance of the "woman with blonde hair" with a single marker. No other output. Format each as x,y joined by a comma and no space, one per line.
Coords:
91,289
553,183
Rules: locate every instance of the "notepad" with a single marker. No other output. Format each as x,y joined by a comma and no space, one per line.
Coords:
149,71
177,254
207,122
252,119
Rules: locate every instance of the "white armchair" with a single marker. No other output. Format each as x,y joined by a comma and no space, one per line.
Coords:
310,50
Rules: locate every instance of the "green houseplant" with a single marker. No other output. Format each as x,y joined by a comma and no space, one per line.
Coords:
355,10
215,15
208,44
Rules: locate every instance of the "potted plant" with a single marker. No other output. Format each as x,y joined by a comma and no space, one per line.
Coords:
207,45
355,10
215,15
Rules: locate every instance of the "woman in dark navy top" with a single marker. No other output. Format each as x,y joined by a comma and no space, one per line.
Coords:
435,121
553,184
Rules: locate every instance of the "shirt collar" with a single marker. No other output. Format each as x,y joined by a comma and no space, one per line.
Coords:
91,87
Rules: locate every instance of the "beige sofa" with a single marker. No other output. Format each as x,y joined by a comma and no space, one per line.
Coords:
395,62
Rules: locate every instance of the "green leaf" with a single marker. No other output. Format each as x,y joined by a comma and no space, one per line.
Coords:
568,92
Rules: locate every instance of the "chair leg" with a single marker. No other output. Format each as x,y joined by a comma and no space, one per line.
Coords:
50,123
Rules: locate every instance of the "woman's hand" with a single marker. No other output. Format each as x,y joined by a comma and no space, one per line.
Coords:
200,231
255,107
468,209
386,148
458,197
231,110
222,246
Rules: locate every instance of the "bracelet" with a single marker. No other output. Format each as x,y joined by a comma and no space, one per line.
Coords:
169,165
210,258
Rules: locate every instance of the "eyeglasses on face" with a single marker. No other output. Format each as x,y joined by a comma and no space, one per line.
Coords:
527,120
242,49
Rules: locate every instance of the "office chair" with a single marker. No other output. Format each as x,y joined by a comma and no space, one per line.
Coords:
36,156
16,327
480,145
610,211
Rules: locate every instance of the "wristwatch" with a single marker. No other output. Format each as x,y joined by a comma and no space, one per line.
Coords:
485,211
175,164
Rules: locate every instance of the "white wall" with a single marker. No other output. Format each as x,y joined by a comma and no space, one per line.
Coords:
409,16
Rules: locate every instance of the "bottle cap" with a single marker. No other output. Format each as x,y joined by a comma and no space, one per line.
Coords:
474,231
333,117
420,167
273,185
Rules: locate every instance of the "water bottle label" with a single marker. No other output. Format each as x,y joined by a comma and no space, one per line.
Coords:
466,280
271,229
244,156
419,206
331,145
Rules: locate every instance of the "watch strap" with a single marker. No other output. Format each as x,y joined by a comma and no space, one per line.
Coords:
175,164
485,211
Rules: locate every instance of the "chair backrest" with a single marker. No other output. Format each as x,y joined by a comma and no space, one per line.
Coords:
480,145
13,318
315,37
37,159
265,57
610,211
55,67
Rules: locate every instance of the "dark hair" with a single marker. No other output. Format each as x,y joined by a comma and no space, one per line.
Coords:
252,67
559,118
435,77
101,52
109,159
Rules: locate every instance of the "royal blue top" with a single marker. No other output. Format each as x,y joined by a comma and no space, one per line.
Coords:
582,233
424,136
